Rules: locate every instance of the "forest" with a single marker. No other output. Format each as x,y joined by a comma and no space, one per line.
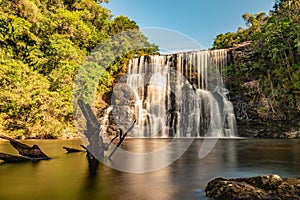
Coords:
272,63
43,44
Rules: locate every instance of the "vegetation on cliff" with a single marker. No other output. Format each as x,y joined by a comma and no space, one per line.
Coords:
43,44
272,61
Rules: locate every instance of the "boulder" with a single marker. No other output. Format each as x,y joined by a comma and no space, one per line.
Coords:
260,187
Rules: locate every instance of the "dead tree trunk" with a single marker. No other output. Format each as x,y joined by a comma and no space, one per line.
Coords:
96,146
72,150
27,153
122,138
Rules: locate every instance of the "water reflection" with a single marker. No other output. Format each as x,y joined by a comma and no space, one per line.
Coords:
134,160
69,176
92,173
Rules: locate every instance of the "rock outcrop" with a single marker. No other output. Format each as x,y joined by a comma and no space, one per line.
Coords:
260,187
256,114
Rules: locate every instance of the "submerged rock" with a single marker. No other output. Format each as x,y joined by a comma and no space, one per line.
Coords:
260,187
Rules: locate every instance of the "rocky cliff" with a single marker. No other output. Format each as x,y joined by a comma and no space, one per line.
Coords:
255,113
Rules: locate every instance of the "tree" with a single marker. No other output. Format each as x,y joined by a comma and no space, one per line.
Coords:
275,44
43,44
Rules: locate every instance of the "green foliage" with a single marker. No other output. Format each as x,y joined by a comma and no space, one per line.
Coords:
227,40
43,45
254,24
108,61
27,105
276,61
121,23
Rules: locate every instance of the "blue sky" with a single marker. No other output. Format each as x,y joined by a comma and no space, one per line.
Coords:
198,19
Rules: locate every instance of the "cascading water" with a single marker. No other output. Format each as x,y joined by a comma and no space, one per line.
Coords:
179,95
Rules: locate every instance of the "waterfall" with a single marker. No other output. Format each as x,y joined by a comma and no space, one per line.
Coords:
178,95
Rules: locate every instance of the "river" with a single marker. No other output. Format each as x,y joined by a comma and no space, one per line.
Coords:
67,176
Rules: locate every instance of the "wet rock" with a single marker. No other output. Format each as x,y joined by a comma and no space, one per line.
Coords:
260,187
106,97
291,135
122,95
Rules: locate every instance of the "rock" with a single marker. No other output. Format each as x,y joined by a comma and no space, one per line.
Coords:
260,187
292,135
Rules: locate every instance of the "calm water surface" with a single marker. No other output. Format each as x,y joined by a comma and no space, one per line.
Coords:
67,176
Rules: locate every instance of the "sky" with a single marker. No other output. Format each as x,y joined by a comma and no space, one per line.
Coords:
198,21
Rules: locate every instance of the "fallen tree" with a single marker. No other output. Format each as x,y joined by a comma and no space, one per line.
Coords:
33,153
73,150
96,146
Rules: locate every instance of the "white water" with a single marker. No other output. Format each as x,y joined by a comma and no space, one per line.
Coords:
179,95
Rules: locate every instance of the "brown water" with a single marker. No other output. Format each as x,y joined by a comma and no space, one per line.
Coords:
67,176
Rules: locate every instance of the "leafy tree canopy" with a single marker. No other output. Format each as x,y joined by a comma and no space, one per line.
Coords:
43,44
275,43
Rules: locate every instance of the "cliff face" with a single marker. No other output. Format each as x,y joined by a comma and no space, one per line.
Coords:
256,112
